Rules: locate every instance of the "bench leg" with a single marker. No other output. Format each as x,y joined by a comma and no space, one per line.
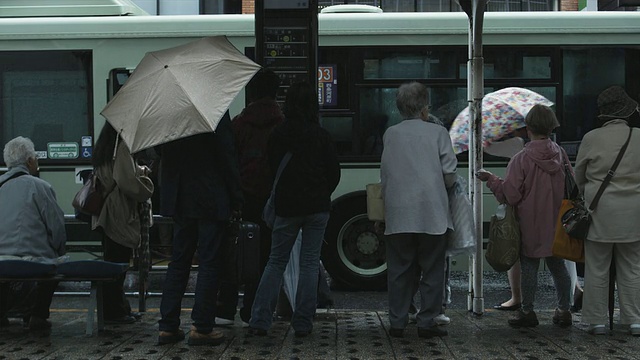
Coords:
91,309
100,305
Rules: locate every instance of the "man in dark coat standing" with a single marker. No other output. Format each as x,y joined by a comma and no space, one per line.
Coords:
251,129
201,191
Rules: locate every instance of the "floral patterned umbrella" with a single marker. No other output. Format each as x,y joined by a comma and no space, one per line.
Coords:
503,112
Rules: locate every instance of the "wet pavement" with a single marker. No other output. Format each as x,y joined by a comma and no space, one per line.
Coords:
356,328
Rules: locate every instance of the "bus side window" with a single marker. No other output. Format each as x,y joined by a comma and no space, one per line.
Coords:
117,78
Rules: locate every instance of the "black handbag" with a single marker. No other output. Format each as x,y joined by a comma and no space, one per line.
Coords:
576,221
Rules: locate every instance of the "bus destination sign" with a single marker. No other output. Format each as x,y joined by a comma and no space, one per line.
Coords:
327,85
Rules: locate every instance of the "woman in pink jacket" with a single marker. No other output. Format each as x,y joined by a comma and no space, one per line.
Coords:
534,185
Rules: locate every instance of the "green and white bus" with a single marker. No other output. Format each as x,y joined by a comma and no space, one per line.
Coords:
57,74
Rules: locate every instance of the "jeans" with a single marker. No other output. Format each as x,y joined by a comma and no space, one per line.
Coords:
285,231
189,234
529,281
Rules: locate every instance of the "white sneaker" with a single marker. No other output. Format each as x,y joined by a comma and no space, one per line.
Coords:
413,318
223,321
245,324
596,329
442,319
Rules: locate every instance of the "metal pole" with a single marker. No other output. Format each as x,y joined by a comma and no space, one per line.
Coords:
475,92
476,161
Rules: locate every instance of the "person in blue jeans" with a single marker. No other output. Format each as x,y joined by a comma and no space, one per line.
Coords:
201,191
302,202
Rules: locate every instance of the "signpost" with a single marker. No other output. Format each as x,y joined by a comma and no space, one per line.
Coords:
287,40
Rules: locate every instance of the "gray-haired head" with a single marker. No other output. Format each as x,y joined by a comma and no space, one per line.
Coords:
18,151
411,99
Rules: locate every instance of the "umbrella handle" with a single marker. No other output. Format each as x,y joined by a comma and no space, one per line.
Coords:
115,147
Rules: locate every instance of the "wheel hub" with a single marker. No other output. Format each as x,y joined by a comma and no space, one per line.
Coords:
367,243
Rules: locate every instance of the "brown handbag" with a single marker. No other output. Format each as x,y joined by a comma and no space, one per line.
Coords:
89,199
564,246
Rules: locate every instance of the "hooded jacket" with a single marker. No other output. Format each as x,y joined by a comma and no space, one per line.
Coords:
251,129
534,184
312,173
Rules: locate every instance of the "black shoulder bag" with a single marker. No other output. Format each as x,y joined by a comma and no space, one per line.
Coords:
13,177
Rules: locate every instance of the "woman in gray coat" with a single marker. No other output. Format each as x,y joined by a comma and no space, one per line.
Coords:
418,165
125,185
613,233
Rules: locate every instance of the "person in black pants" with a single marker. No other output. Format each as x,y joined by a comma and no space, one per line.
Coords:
125,185
251,129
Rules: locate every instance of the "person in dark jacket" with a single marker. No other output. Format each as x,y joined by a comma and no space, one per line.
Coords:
201,191
302,202
251,130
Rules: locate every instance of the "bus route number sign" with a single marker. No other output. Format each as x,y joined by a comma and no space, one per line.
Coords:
63,150
327,85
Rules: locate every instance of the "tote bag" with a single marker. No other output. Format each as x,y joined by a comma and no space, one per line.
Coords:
565,246
503,249
461,240
375,202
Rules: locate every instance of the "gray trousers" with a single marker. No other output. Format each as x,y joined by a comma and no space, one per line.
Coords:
596,281
529,281
415,259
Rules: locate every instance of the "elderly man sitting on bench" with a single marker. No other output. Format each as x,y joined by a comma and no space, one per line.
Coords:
32,225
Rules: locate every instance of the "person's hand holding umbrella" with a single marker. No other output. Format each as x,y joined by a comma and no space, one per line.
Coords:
484,175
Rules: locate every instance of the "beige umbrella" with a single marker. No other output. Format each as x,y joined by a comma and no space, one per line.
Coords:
179,92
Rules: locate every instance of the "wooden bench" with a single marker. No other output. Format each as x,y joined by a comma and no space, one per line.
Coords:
96,272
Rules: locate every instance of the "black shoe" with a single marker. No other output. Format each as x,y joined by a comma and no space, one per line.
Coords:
127,319
136,315
397,333
170,337
522,319
257,332
325,304
434,331
4,321
577,302
302,333
507,308
36,323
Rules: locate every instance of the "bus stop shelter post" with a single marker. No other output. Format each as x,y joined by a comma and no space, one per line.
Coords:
475,92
